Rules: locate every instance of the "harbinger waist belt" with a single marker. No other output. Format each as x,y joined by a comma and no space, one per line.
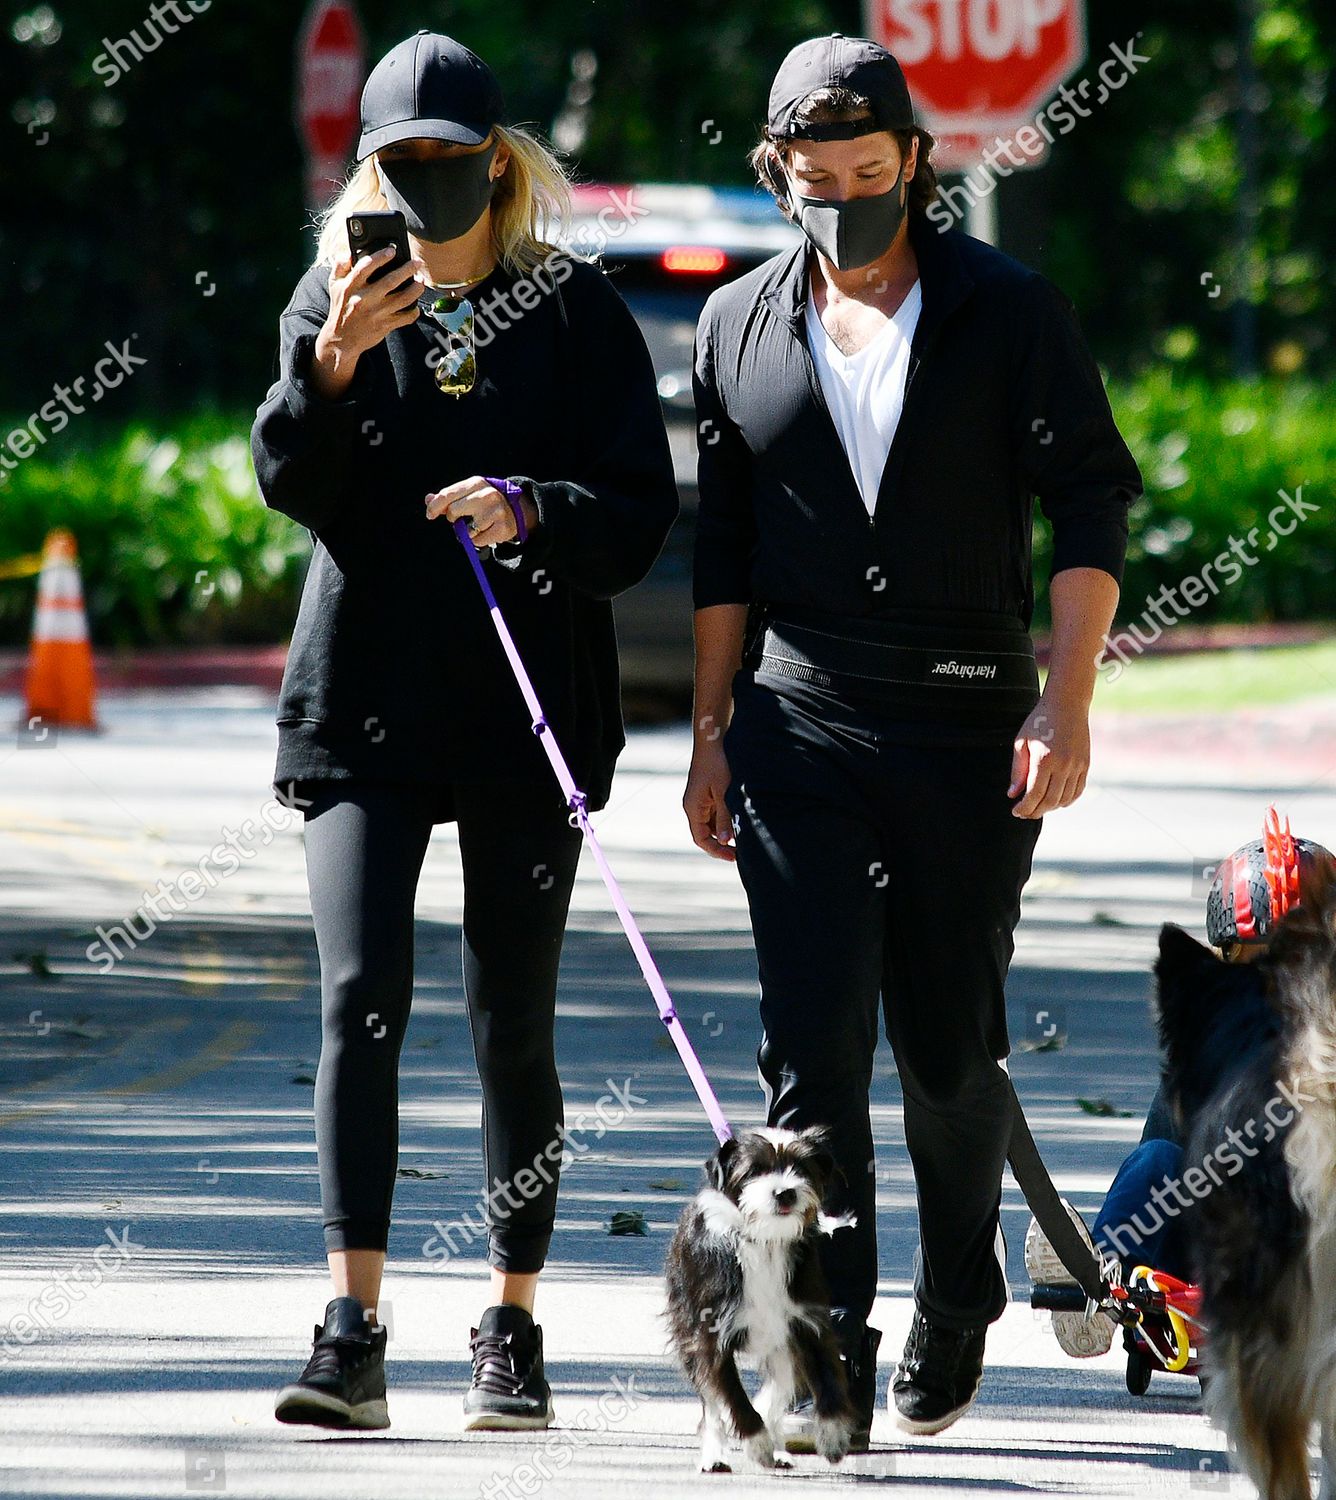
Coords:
981,659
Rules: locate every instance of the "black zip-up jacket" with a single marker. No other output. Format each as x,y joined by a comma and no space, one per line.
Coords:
395,672
1003,402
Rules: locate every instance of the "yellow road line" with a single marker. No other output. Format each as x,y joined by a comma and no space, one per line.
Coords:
221,1050
62,845
224,1047
139,1038
19,817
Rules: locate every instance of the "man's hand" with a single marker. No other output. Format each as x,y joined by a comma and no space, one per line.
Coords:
703,801
1051,758
485,506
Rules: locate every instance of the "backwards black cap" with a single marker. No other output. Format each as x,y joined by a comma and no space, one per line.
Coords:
839,61
429,85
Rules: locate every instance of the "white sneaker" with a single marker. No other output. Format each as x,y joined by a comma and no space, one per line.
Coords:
1080,1336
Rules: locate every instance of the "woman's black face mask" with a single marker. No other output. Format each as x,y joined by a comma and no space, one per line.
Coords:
441,197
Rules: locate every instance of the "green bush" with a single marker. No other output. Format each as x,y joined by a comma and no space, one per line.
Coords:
1214,457
177,547
175,543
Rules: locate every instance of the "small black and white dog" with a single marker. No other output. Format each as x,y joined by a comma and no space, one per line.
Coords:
743,1279
1260,1103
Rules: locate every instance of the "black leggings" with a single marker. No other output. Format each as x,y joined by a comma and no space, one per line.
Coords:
364,849
882,871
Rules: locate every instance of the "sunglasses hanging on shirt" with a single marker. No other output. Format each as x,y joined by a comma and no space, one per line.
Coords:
454,362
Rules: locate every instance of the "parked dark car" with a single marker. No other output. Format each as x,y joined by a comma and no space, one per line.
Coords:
666,248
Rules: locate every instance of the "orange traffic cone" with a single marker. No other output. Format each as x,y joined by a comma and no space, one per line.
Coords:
60,665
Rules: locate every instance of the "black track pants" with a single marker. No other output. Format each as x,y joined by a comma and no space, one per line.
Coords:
364,849
883,871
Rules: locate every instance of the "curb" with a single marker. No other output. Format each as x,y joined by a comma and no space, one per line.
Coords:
262,666
169,667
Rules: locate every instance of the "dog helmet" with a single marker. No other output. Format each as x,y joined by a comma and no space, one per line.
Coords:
1258,884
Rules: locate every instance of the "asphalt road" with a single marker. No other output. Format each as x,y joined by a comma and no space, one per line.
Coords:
158,1106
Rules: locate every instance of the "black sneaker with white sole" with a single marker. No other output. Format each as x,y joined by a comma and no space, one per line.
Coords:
858,1353
343,1384
507,1392
938,1377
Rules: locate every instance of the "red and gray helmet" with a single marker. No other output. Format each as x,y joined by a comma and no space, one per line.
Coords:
1258,884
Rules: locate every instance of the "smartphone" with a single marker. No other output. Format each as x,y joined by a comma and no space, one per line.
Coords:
370,232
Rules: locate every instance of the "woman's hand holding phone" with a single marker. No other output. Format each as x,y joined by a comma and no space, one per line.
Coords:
361,313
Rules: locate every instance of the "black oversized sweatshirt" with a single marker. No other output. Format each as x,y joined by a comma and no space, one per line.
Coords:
1003,403
395,672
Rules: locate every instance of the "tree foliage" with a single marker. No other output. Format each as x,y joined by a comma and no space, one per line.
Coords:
169,205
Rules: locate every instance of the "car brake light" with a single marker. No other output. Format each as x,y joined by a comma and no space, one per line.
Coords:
699,258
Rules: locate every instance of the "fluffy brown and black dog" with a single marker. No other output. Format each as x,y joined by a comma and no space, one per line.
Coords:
1260,1103
743,1279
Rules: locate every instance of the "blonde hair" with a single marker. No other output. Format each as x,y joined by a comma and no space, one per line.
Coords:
532,196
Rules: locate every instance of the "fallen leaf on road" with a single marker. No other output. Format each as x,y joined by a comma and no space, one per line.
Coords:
628,1221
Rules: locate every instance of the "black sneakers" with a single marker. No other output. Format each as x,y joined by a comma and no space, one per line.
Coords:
938,1377
508,1391
858,1353
343,1384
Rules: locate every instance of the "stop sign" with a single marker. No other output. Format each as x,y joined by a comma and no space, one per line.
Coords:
980,65
331,65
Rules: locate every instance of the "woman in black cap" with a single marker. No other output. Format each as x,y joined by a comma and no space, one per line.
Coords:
877,409
489,354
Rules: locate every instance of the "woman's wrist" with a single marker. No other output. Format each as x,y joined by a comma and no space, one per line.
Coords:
528,508
522,508
332,368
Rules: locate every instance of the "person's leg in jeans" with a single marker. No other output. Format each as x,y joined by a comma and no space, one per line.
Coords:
960,860
808,853
1130,1226
519,855
364,850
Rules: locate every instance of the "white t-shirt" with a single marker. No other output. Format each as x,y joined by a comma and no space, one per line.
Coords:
866,391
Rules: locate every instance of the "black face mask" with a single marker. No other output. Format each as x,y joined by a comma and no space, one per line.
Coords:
442,197
850,232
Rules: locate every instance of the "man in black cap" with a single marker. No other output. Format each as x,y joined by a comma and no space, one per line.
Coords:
877,410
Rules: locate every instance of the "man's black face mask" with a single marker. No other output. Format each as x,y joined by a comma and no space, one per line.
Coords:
850,232
441,197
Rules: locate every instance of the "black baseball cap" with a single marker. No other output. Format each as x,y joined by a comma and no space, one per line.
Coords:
429,85
839,61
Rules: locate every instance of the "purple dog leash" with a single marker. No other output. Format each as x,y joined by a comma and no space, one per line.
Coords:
576,800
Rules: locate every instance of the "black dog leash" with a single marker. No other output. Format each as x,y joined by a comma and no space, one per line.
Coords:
1031,1174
